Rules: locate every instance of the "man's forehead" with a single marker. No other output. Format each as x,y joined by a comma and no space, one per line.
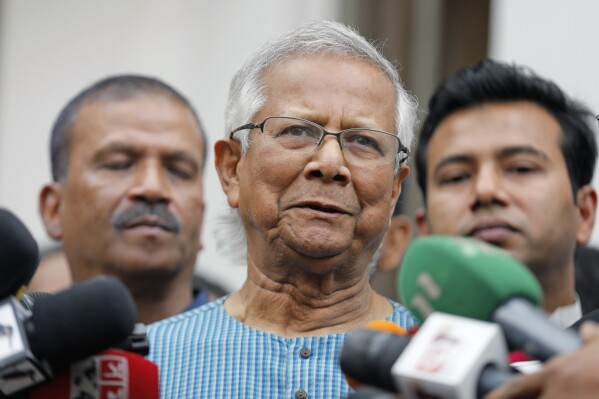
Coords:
314,87
497,127
106,122
155,110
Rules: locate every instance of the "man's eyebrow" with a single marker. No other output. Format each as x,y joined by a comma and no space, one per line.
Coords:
503,153
125,148
453,159
116,147
522,149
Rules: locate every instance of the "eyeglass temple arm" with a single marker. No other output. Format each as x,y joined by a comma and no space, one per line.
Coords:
244,127
406,151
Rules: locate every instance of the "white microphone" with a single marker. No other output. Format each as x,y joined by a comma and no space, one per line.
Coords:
452,357
19,367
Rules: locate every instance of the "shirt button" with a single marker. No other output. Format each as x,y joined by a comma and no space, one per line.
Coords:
301,394
305,353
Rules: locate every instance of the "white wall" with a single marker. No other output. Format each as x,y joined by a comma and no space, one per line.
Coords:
50,50
559,39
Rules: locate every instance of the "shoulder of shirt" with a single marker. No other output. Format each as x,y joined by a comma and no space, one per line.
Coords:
402,312
193,313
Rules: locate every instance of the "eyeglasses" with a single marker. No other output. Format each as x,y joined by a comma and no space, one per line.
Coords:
360,146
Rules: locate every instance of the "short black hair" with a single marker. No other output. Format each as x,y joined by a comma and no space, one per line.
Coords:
586,277
493,82
113,88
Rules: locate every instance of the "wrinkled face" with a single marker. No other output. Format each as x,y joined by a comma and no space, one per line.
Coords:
316,208
496,172
132,201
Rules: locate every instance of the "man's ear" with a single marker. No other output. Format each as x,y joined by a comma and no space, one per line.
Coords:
586,203
401,175
421,221
396,240
227,154
50,200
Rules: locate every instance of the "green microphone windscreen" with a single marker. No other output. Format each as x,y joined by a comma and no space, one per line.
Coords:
462,276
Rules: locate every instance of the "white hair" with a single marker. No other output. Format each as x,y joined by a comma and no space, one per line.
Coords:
246,95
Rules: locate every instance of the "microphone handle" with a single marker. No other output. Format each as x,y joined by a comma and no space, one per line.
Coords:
528,329
490,378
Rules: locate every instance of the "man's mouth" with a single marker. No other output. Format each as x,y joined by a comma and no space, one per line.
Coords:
327,209
494,232
149,221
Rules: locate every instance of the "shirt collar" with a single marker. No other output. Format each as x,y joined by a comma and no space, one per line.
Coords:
566,315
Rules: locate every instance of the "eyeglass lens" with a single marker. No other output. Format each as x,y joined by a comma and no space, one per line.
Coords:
360,146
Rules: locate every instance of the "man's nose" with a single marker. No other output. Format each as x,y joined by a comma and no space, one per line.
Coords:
489,187
150,183
328,163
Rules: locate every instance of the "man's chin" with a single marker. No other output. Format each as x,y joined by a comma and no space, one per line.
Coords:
142,263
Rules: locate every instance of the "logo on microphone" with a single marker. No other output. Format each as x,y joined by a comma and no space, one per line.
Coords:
440,353
11,342
6,331
103,376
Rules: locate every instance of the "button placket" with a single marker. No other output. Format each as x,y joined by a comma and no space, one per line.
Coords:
305,353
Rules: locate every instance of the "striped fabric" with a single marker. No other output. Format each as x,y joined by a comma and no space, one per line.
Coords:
205,353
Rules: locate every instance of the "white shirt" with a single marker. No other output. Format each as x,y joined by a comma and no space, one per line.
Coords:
567,315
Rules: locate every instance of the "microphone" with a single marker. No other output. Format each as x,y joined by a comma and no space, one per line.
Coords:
449,357
71,325
453,357
19,255
29,298
592,316
471,278
111,374
136,342
368,354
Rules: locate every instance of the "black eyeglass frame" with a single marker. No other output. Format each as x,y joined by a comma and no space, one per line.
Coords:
250,126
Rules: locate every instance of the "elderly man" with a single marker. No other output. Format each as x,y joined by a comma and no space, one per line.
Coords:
505,157
318,126
127,161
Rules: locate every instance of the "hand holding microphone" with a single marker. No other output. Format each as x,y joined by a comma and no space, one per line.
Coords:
470,278
573,375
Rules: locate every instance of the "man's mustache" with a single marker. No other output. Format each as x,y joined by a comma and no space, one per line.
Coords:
134,215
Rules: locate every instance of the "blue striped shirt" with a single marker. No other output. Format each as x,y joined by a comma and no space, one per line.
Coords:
206,353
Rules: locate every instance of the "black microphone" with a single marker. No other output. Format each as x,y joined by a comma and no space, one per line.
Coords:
136,342
19,254
592,316
367,356
29,298
63,328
